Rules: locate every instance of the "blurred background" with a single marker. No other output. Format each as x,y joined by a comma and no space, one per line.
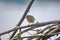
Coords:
11,12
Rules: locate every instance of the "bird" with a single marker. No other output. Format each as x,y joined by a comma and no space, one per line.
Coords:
30,19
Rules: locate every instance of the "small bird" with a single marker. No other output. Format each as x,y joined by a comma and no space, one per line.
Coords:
30,18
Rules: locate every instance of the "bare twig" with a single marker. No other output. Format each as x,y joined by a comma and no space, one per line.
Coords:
41,35
54,30
47,28
22,32
53,34
29,28
32,25
51,30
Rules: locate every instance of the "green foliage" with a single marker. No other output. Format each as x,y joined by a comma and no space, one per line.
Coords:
20,38
58,38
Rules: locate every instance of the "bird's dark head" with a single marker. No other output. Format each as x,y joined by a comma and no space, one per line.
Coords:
29,16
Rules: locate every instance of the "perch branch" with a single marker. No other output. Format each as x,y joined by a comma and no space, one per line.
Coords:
32,25
41,35
47,28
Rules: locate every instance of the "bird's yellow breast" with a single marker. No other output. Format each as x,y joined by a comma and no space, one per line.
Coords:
30,20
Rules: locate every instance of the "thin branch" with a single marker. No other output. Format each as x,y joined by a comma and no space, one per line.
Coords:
50,33
32,25
34,36
29,28
53,34
54,30
41,35
23,17
22,32
50,29
47,28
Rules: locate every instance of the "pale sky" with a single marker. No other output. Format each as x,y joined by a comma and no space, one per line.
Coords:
12,11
